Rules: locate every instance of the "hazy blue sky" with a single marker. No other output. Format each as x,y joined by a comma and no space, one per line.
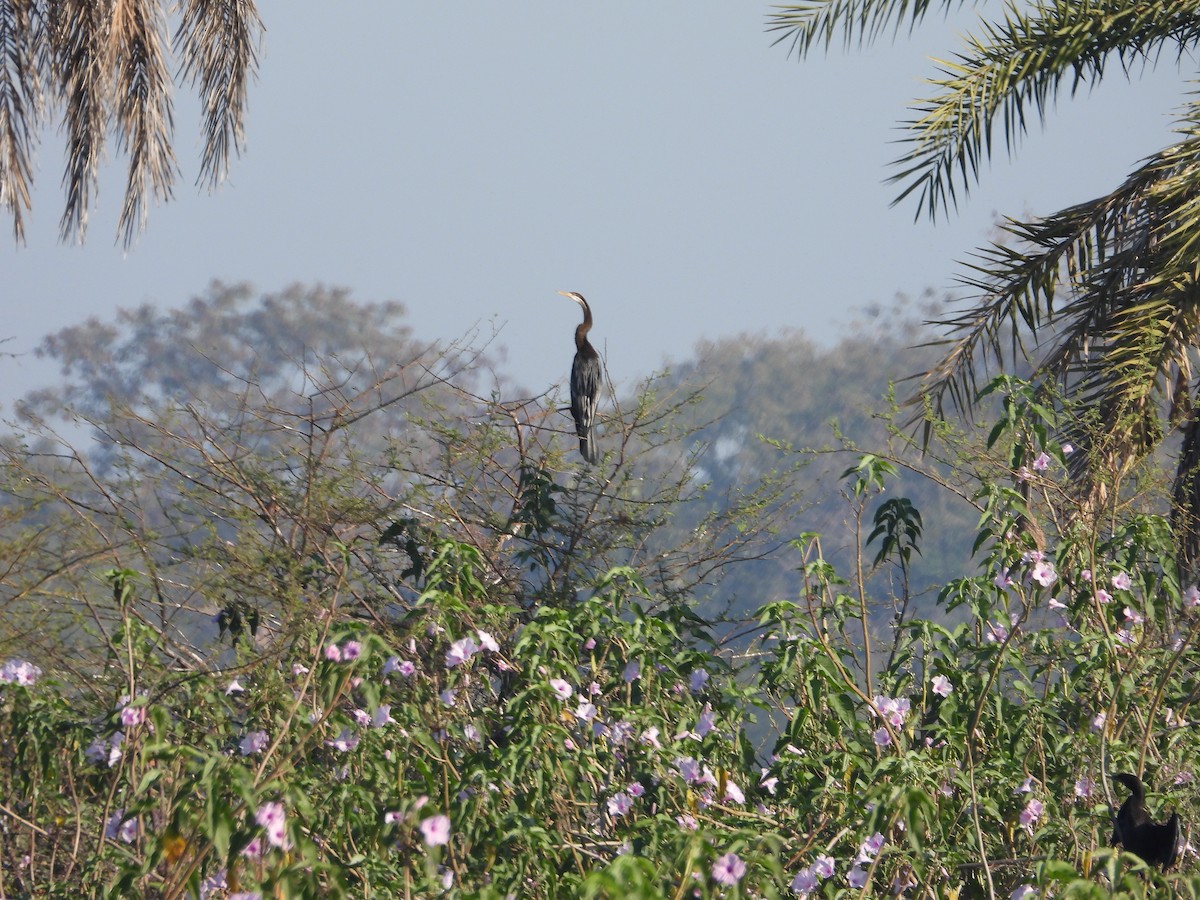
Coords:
472,159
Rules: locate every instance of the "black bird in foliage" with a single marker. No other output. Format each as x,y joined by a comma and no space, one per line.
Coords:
585,381
1157,844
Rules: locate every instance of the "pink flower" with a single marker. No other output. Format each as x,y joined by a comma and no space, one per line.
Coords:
1043,573
351,650
1121,581
1191,597
1031,813
132,716
882,737
857,877
689,769
687,822
1132,616
619,804
733,793
20,672
705,725
1002,580
728,869
1102,596
561,688
635,789
1084,787
650,737
436,830
1067,449
487,642
333,653
448,697
941,686
1042,462
1099,720
271,817
822,866
460,651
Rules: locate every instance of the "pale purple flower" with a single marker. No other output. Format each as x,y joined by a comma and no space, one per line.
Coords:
333,653
299,670
589,644
487,642
101,750
805,882
362,718
870,848
1067,449
996,633
1121,581
689,769
650,737
393,816
1031,813
857,877
728,869
1102,596
632,671
1003,580
448,696
619,804
594,689
382,716
585,711
1055,603
253,742
120,828
1025,787
1023,473
402,667
733,793
20,672
1191,597
635,789
1084,787
1099,720
1024,891
1042,463
697,680
271,817
621,732
346,741
1043,573
436,830
941,686
1132,616
446,876
1125,636
687,822
460,651
561,688
768,783
351,650
705,725
132,716
823,866
893,709
882,737
234,687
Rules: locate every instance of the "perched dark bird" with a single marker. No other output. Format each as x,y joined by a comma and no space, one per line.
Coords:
1157,844
585,381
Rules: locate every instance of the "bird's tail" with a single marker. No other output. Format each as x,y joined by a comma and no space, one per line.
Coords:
587,446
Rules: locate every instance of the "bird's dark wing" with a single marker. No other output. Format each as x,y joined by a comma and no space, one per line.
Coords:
585,389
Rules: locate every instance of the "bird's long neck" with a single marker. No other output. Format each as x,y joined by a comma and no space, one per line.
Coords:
1134,784
581,331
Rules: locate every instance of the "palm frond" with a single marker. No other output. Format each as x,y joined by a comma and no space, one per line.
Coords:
218,43
1013,72
21,32
818,22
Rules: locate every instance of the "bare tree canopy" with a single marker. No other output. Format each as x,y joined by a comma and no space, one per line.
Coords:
102,70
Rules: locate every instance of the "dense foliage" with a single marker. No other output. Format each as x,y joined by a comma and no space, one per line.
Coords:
251,654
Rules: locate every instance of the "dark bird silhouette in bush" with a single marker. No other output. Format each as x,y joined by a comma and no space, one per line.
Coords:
1157,844
585,381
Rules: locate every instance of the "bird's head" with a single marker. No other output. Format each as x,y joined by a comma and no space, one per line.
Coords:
572,295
